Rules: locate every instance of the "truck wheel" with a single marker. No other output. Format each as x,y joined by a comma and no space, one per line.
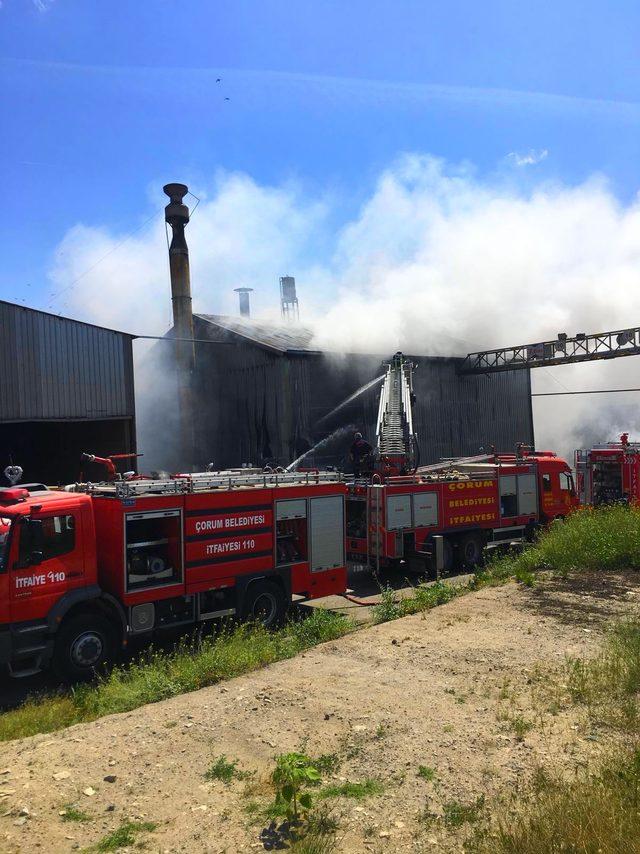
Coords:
84,645
470,551
265,602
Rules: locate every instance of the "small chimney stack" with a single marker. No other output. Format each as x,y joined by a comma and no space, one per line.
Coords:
176,214
245,306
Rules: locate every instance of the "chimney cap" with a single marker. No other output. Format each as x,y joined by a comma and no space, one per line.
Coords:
243,290
176,192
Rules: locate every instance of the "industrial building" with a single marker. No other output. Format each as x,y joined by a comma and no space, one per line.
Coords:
260,393
65,388
263,393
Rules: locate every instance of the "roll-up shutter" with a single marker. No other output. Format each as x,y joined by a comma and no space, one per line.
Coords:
327,532
295,508
527,495
425,509
398,512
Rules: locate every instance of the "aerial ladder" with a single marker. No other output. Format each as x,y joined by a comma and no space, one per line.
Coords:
397,445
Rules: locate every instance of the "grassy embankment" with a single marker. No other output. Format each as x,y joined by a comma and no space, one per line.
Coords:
158,676
599,810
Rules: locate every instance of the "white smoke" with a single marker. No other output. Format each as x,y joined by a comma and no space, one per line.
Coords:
440,260
244,234
436,261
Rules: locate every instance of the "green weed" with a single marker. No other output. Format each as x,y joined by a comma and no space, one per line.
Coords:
223,770
388,608
358,791
72,813
598,811
423,597
455,813
125,835
521,726
609,683
426,773
327,763
293,774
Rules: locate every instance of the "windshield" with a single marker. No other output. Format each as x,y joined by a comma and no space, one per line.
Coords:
4,541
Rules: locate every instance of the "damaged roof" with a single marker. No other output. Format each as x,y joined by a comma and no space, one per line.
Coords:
282,338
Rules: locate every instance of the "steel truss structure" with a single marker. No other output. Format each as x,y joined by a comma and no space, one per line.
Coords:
562,351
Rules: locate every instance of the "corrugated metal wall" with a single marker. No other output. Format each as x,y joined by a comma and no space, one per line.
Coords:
52,368
260,406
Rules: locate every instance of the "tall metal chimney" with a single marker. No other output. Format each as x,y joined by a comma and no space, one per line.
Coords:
245,306
176,215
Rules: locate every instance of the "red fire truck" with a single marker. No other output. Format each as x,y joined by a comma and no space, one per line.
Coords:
394,515
83,570
469,501
609,473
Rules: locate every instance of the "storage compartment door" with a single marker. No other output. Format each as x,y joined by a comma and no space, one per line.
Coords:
398,512
425,509
327,532
527,495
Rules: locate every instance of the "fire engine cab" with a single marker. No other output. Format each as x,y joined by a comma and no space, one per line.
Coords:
609,473
83,570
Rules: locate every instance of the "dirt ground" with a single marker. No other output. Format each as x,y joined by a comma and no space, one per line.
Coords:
452,690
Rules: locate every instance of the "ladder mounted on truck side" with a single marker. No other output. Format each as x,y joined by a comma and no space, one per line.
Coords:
184,484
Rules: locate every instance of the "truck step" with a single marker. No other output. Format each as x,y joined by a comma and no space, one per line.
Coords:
23,672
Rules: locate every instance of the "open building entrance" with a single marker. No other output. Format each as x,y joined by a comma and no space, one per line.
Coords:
49,451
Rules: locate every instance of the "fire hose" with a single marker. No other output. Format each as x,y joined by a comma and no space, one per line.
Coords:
360,602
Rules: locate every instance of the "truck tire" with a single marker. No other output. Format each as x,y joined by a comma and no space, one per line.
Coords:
84,645
470,551
266,603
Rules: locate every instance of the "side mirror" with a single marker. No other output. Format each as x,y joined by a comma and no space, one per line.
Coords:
36,558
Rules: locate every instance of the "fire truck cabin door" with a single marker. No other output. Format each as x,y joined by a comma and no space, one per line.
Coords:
47,561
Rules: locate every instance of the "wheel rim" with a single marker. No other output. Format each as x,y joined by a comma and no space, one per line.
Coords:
265,608
86,650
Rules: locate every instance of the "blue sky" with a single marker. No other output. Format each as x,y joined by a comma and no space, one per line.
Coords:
104,102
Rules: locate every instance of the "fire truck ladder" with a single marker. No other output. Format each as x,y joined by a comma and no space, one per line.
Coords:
448,463
205,482
394,434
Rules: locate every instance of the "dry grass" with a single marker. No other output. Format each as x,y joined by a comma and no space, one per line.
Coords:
598,814
598,811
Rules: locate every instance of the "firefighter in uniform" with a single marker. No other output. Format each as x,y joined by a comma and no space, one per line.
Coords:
359,453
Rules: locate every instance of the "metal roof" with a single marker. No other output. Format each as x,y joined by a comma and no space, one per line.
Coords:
289,338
